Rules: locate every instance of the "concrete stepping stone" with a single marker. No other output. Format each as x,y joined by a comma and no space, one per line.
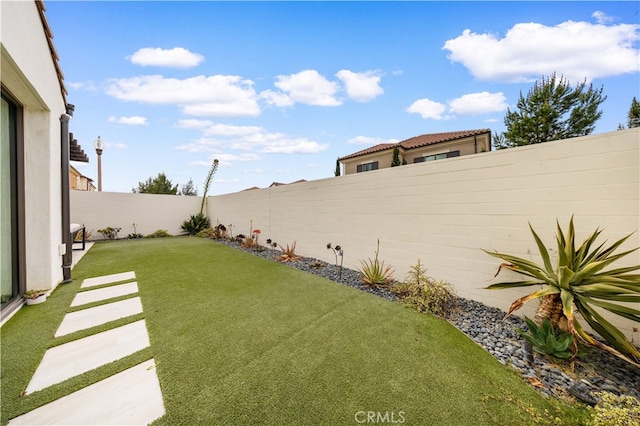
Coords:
131,397
108,279
105,293
91,317
79,356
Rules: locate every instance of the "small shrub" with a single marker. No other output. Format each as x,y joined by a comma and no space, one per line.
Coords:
87,236
424,293
196,223
544,340
160,233
271,243
375,273
109,233
288,253
250,242
316,264
134,236
219,232
614,410
205,233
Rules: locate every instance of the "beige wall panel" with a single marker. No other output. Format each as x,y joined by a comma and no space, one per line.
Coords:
446,211
150,212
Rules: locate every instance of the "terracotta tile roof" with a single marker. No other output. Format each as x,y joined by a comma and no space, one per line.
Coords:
419,141
54,54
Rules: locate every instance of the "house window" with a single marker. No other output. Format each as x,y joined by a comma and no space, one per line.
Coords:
436,156
367,167
9,221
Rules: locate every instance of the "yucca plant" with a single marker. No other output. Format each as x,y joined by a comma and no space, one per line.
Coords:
543,339
579,282
374,272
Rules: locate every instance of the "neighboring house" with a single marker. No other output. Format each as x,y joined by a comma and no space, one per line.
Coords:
419,149
34,157
79,182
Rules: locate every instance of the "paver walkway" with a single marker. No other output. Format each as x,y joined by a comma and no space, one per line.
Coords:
131,397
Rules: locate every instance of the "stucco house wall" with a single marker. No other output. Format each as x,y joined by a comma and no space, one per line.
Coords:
29,75
465,145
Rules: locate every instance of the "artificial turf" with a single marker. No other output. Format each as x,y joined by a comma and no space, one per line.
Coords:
238,339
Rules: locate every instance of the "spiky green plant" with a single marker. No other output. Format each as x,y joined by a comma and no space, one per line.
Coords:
374,272
580,283
288,253
543,339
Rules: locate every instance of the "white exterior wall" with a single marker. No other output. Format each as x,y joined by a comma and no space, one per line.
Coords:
444,212
150,212
28,73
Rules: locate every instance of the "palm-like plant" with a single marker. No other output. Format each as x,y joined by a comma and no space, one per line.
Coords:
579,283
374,271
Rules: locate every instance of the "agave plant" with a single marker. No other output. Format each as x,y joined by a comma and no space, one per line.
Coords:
374,271
580,283
288,253
543,339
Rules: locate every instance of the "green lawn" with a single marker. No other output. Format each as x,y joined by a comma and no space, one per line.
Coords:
241,340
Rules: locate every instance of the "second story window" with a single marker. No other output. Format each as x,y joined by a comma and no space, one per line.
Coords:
367,166
436,156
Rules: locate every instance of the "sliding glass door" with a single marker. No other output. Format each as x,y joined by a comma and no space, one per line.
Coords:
9,221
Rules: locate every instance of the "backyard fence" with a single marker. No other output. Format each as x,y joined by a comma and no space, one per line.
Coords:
443,212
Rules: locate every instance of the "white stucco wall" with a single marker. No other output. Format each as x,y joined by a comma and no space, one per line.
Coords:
150,212
28,73
446,211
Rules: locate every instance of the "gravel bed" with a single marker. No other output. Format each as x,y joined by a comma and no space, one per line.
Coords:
594,372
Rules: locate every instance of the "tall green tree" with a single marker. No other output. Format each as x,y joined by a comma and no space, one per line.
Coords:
158,185
551,110
395,160
189,189
337,172
633,118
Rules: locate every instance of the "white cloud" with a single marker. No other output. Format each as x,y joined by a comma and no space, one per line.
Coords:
278,99
361,87
193,124
217,95
427,109
115,145
135,120
83,85
178,57
220,137
367,140
478,103
309,87
228,130
602,18
577,50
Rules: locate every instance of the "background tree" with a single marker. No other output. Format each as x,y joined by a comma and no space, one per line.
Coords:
189,189
552,110
395,160
633,118
158,185
337,172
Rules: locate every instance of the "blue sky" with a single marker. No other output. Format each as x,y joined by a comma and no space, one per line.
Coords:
277,91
